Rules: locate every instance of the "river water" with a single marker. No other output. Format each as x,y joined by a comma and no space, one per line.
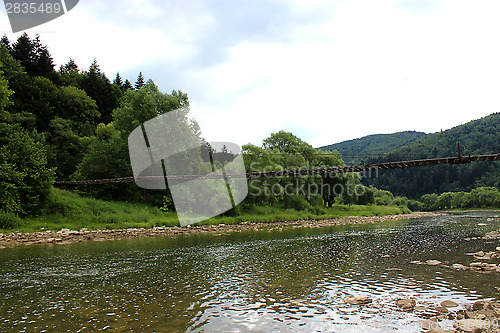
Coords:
259,281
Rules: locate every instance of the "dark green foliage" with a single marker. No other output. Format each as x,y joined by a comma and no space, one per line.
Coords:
76,106
118,80
25,178
64,149
285,151
139,83
97,86
481,197
70,74
127,86
296,202
106,153
9,220
357,150
106,156
34,57
6,42
5,94
476,137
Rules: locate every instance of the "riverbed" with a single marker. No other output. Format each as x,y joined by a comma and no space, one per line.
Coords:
290,278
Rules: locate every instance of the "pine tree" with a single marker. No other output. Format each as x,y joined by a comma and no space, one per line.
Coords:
140,81
34,57
118,80
99,88
69,66
5,41
127,85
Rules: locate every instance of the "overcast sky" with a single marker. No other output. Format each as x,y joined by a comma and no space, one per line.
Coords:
327,71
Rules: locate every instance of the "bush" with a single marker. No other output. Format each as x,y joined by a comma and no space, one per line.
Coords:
9,220
296,202
318,210
415,206
25,179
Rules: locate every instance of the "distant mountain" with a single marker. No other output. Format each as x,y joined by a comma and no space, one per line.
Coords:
355,151
481,136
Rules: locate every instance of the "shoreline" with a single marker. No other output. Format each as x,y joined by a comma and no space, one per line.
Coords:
66,236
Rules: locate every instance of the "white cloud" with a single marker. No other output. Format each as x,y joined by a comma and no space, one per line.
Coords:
327,71
371,68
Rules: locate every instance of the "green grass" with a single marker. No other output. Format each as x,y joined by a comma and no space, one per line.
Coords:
69,210
277,214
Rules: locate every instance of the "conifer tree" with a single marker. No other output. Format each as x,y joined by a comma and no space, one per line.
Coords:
118,80
69,66
5,41
127,85
34,57
140,82
99,88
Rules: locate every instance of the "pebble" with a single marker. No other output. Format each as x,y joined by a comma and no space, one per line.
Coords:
449,304
406,303
48,236
358,300
433,262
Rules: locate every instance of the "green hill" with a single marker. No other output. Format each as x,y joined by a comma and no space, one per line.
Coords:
355,151
481,136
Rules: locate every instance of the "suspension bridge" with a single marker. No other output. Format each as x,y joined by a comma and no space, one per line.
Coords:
455,160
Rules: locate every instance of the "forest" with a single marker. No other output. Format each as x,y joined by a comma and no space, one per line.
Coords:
72,124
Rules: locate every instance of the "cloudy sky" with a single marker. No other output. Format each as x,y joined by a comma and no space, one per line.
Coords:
327,71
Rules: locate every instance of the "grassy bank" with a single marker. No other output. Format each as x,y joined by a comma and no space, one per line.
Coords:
69,210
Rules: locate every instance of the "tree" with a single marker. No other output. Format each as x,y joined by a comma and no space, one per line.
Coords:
5,94
118,81
64,149
6,42
286,142
69,66
34,57
97,86
136,107
76,106
140,82
127,86
106,153
70,74
25,178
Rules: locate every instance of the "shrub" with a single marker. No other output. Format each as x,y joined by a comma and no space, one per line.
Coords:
9,220
296,202
25,179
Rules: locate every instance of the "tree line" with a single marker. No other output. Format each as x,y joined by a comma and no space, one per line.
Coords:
73,124
65,124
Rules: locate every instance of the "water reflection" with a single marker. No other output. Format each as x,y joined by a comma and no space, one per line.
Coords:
294,280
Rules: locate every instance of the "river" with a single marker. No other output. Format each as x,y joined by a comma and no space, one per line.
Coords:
260,281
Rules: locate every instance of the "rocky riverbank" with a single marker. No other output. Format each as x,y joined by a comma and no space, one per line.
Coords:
66,236
446,316
483,262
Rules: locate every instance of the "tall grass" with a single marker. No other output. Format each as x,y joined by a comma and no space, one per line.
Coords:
69,210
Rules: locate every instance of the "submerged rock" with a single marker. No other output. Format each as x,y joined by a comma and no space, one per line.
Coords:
430,324
458,266
406,303
358,300
449,304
